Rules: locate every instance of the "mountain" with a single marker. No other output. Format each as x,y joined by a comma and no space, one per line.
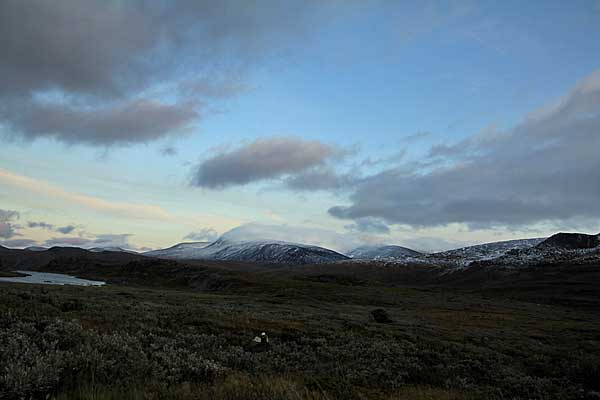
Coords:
570,241
36,248
461,257
487,251
561,248
263,251
383,253
113,248
18,259
185,250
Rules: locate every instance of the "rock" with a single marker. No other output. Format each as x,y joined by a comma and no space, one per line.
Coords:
259,344
381,316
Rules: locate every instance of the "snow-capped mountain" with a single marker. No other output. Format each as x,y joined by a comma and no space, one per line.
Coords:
487,251
573,248
383,253
186,250
266,251
461,257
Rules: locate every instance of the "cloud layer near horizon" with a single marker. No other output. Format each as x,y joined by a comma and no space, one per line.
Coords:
546,169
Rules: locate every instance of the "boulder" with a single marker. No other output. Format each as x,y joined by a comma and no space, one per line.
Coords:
381,316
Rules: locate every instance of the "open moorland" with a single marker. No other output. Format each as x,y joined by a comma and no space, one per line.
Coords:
163,329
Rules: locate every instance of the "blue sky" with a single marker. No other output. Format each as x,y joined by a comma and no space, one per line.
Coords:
368,87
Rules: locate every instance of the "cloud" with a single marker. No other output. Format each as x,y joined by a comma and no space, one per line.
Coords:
65,230
341,242
42,225
18,243
221,88
320,178
428,244
102,240
7,227
101,67
68,241
168,151
112,240
369,225
203,235
130,210
544,170
263,159
124,123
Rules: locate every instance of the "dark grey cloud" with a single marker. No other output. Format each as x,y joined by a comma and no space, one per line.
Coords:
7,227
65,230
90,71
92,46
369,225
546,169
42,225
263,159
203,235
130,122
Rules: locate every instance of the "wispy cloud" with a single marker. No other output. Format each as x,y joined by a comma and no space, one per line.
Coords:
204,234
142,211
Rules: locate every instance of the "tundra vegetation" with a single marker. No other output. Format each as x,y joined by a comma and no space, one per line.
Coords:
144,336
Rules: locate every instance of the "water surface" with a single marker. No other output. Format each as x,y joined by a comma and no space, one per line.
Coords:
47,278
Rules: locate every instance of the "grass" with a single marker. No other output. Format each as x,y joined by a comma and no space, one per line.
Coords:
145,341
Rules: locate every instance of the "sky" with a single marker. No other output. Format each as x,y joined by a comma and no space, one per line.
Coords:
428,124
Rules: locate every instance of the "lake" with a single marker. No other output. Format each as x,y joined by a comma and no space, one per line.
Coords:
47,278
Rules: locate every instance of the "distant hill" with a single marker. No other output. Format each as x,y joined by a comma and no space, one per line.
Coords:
383,253
13,259
36,248
113,249
485,251
570,241
182,251
263,251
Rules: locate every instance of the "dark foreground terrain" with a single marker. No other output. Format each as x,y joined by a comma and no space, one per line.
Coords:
172,330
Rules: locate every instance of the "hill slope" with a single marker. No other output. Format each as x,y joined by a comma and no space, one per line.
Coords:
382,253
253,251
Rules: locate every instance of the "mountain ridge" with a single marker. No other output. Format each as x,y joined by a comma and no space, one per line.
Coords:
268,251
